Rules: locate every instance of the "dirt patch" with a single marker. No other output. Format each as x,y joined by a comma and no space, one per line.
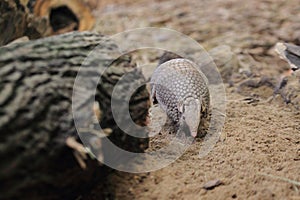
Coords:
259,139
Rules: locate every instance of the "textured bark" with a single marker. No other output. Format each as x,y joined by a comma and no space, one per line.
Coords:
65,15
16,21
36,84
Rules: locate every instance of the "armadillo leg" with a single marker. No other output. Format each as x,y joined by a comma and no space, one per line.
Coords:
169,126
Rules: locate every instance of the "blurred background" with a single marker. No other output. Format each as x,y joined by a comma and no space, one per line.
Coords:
258,155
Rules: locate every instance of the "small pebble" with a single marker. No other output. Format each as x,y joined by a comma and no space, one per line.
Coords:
212,184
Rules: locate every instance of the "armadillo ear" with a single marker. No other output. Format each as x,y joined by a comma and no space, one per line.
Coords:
153,95
154,100
180,106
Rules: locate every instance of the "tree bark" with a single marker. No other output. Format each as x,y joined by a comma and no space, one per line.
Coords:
36,119
65,15
40,18
17,21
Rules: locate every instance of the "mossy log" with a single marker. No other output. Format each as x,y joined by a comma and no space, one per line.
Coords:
36,120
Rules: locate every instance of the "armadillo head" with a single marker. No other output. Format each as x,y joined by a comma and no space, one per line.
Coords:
191,114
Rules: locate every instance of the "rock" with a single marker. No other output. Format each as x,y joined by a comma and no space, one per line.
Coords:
212,184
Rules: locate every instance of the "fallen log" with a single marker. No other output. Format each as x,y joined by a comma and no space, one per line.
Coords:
40,18
36,120
17,21
65,15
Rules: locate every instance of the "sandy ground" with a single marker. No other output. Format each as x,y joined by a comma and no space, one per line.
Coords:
259,154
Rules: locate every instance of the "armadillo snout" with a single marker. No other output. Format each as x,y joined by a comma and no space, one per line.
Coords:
192,114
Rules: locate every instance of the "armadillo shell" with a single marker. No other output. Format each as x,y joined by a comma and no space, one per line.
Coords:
176,80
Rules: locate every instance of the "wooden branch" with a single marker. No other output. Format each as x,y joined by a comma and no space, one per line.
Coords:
290,53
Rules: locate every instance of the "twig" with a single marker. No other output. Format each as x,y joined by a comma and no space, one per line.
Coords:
281,178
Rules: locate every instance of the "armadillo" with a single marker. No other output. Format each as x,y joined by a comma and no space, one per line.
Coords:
181,90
